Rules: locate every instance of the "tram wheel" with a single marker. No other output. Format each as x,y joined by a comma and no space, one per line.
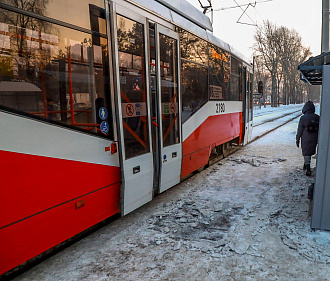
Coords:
225,149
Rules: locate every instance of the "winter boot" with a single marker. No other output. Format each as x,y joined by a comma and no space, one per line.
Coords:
308,170
304,167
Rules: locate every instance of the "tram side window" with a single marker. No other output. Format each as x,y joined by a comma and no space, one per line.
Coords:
194,73
236,80
193,48
219,73
194,84
48,71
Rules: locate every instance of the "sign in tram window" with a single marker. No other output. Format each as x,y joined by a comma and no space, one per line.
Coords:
132,86
216,92
46,72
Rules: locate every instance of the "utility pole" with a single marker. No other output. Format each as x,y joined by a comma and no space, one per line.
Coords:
325,26
325,32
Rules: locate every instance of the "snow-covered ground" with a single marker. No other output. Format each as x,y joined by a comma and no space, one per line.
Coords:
268,118
266,114
244,218
268,109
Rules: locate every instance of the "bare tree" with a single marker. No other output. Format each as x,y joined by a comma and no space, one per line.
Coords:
282,51
266,45
261,74
294,53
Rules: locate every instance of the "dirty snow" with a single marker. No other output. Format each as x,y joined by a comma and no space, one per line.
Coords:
244,218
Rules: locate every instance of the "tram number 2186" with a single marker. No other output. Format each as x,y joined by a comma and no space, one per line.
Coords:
220,107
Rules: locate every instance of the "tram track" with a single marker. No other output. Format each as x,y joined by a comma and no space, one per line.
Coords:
257,114
275,128
278,126
266,113
276,118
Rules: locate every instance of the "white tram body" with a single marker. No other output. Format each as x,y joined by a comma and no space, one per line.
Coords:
104,105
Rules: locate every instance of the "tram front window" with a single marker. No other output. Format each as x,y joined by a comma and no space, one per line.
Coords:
132,86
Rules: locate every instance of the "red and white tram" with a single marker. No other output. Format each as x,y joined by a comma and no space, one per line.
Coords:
103,105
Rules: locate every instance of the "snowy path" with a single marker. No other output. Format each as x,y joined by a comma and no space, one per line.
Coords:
244,218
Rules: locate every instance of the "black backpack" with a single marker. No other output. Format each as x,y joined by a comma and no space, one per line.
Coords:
313,125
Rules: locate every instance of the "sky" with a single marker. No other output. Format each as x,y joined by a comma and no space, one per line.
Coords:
304,16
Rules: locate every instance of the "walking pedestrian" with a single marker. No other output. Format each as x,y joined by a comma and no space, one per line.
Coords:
308,133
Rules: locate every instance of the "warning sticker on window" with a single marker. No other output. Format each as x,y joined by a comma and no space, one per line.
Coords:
134,109
170,108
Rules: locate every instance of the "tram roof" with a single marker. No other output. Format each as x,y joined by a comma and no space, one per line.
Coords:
312,70
177,11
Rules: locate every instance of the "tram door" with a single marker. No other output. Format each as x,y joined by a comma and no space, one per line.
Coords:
142,118
250,104
165,77
247,106
133,108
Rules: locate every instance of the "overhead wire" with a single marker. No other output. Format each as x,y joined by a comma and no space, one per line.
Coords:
244,12
247,5
253,4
